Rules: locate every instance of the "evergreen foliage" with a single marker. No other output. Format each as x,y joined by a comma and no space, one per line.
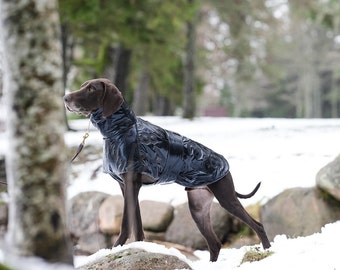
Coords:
263,58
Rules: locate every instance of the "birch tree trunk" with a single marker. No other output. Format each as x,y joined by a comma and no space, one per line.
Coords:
1,69
36,159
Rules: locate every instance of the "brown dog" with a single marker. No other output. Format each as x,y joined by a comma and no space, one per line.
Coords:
138,153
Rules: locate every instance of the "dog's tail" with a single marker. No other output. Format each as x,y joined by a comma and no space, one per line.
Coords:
251,194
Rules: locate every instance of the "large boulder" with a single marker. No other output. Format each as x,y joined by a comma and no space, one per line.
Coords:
132,259
298,212
111,214
83,214
84,223
184,231
328,178
92,242
156,216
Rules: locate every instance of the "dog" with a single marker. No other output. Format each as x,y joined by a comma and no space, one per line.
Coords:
138,153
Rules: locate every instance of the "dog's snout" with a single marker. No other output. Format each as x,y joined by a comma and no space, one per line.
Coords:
67,98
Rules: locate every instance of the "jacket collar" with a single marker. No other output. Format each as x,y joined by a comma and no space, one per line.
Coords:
114,124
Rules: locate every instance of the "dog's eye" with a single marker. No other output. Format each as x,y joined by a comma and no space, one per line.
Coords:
90,89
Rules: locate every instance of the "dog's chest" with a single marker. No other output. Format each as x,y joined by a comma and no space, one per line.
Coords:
133,145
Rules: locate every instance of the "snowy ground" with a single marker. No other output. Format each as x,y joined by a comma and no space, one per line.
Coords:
281,153
317,252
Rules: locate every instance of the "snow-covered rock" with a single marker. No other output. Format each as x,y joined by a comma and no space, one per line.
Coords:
133,258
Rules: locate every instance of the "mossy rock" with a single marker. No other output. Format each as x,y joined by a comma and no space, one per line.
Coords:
132,259
254,255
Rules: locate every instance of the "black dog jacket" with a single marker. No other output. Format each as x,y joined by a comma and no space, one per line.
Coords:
132,144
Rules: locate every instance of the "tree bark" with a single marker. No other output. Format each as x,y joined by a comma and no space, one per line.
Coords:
189,100
122,67
334,98
67,52
1,70
140,96
36,160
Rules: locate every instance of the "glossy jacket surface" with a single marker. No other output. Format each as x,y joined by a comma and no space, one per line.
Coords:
132,144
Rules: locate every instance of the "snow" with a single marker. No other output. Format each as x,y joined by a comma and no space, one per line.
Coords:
315,252
281,153
318,251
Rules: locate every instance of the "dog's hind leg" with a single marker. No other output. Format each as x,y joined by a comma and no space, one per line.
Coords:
224,192
200,200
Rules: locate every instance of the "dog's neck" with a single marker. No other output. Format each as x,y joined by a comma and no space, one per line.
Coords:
115,124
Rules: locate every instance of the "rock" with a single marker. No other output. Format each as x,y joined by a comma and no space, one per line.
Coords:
241,234
328,178
154,236
241,241
132,259
111,214
184,231
298,212
91,243
83,213
156,216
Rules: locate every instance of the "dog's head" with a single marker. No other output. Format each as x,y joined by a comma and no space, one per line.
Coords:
92,95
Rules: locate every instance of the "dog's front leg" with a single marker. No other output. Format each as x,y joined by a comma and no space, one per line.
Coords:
131,212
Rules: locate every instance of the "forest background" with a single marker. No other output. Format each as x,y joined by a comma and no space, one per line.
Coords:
255,58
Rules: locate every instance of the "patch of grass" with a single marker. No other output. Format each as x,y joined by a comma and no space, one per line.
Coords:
4,267
254,255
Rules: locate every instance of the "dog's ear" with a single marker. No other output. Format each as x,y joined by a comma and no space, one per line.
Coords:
112,99
85,83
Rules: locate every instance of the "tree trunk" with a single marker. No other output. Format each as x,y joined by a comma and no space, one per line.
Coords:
122,67
189,101
334,101
1,71
36,160
309,77
66,57
109,69
140,96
